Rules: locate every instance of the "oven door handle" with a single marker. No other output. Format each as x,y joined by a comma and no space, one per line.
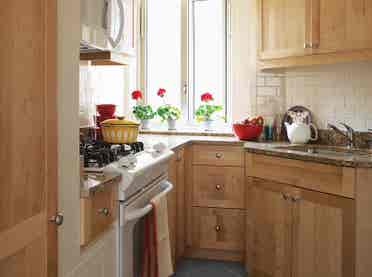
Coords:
136,214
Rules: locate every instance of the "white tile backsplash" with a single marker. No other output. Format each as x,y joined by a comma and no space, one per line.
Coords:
334,93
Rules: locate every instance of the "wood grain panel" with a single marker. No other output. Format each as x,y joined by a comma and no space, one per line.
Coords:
363,223
93,222
181,209
172,206
219,229
269,229
320,177
282,28
324,236
28,144
219,188
218,155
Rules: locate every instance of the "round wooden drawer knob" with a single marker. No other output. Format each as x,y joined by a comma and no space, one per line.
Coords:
218,187
218,228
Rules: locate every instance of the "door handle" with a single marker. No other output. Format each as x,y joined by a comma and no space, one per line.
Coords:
57,219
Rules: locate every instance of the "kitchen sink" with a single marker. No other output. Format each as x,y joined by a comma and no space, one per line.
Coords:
327,150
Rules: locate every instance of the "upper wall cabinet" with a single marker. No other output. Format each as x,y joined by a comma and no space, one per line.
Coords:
307,32
282,28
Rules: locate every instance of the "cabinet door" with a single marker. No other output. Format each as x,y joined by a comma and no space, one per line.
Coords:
283,28
341,25
269,229
323,236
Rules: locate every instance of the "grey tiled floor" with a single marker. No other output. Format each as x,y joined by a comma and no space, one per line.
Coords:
204,268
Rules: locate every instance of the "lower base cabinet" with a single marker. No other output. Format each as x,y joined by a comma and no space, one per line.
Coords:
297,232
218,229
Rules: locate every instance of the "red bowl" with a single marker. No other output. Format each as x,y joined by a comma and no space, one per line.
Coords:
106,110
247,131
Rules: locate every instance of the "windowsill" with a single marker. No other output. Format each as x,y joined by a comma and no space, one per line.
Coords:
189,130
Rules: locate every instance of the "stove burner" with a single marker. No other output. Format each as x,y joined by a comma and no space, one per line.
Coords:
98,154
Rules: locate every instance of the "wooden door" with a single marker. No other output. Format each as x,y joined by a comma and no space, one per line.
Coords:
323,236
283,28
269,229
342,25
28,140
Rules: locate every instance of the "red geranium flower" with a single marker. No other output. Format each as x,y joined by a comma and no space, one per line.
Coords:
161,92
137,94
206,97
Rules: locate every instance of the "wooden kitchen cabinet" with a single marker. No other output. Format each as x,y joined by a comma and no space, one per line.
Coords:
215,188
98,212
215,202
323,235
342,25
282,28
308,32
176,202
299,233
218,229
269,229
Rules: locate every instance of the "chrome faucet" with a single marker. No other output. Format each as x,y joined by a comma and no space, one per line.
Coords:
350,133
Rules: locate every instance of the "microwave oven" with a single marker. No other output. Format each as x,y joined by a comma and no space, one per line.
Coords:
107,25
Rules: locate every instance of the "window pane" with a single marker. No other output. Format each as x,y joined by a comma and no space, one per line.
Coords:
164,51
208,51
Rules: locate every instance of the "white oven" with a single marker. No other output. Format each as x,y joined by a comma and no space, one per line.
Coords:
104,23
131,215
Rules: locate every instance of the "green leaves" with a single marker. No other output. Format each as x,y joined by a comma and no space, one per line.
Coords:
143,112
205,112
169,112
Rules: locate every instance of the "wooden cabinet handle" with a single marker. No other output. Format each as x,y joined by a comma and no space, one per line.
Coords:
218,228
285,196
219,155
218,187
104,211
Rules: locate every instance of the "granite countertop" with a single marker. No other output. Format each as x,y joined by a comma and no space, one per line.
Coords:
278,149
356,158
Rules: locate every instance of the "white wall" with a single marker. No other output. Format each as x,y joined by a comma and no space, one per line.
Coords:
243,66
68,126
98,260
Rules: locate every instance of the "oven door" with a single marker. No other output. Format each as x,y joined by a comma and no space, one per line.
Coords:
131,218
102,23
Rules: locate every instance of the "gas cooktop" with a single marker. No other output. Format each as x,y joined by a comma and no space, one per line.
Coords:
98,154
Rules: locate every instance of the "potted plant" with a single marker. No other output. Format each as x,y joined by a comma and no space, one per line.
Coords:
206,111
168,112
142,112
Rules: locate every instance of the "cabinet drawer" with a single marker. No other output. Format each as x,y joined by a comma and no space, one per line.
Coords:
218,155
98,212
325,178
218,229
218,188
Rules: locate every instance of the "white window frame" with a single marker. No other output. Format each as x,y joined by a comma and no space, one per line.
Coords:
187,93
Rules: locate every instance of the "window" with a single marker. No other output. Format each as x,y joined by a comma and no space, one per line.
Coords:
208,52
206,60
163,51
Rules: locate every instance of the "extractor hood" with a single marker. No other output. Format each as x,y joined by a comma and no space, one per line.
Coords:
102,57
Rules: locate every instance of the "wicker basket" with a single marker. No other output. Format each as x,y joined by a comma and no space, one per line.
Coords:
119,130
